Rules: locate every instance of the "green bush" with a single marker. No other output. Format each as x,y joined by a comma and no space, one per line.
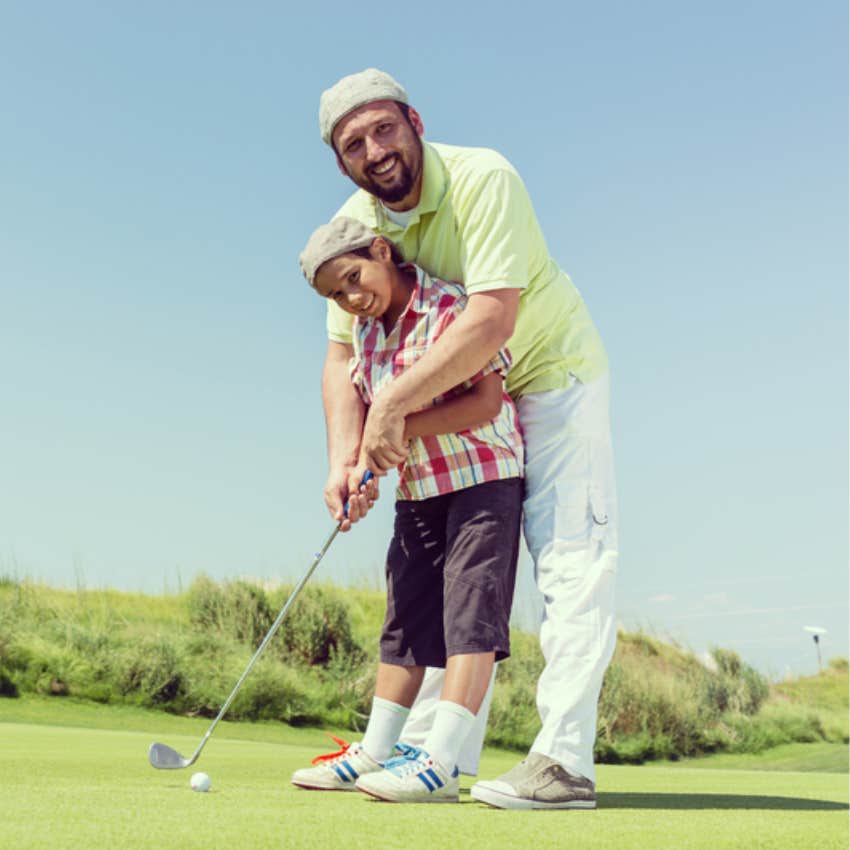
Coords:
316,629
184,653
237,608
150,672
513,721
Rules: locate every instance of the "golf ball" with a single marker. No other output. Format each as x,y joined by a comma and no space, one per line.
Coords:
200,782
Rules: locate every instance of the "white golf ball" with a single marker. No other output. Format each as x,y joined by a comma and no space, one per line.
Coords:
200,782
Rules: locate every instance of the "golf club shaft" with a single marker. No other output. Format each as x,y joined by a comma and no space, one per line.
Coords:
292,597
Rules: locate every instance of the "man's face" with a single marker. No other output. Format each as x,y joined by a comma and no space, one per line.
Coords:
382,153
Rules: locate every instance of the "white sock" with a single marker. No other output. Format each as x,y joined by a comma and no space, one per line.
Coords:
452,723
385,724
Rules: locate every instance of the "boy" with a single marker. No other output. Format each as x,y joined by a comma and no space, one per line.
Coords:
451,563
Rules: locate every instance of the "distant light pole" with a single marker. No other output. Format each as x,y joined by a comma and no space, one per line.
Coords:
816,632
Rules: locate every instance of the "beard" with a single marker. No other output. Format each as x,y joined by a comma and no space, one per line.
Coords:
409,169
399,190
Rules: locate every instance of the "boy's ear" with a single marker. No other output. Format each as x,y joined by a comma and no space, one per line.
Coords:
380,249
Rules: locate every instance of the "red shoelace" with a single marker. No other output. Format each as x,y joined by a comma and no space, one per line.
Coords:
331,756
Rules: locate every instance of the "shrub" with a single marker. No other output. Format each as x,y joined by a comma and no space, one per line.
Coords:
316,629
736,686
149,672
236,608
513,718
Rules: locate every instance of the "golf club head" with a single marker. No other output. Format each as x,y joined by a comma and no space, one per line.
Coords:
164,758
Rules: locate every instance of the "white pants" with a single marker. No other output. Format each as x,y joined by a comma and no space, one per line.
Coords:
570,525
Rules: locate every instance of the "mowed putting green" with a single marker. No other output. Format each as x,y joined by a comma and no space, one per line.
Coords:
76,787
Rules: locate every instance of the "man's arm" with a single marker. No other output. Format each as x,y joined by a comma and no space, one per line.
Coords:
479,404
345,413
467,345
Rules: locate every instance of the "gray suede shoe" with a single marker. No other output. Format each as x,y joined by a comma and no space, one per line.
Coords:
537,782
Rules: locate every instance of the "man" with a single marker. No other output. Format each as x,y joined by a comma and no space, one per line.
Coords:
463,214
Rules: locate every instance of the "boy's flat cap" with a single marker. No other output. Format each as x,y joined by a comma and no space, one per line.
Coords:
331,240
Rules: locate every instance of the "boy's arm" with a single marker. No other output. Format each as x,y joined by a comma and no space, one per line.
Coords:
466,346
477,405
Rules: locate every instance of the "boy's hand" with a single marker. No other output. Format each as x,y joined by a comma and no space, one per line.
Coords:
383,445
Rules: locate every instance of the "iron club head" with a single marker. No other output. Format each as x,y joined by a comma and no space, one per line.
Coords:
165,758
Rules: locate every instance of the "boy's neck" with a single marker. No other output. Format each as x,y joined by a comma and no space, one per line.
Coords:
404,281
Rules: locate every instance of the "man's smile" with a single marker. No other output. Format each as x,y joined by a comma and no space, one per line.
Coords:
385,166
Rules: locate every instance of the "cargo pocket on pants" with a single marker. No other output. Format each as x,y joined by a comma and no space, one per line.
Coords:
598,513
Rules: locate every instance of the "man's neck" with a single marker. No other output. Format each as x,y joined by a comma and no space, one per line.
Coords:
401,219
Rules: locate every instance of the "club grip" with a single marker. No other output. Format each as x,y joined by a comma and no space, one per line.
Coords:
367,476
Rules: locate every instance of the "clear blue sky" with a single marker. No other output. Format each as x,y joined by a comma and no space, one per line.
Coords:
160,169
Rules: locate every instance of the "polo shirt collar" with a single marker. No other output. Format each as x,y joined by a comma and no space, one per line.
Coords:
435,182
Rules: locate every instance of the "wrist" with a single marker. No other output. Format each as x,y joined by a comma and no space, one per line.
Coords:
342,466
393,400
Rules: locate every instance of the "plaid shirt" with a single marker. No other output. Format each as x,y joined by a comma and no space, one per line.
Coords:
446,462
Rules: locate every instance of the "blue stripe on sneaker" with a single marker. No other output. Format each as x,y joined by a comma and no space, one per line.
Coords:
425,781
437,781
350,769
340,774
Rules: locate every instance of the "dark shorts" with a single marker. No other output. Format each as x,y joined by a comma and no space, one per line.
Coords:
451,569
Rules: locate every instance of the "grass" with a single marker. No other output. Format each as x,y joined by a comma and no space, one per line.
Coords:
182,653
77,776
820,757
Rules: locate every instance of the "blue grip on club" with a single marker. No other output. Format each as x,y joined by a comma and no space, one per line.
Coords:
367,476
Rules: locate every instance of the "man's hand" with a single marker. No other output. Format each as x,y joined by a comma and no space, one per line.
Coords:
336,494
361,497
343,485
383,446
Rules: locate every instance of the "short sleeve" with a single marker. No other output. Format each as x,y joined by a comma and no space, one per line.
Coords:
339,324
496,234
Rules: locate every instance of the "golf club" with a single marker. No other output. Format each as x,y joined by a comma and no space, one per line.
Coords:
164,757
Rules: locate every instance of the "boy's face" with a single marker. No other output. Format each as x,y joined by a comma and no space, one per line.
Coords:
361,286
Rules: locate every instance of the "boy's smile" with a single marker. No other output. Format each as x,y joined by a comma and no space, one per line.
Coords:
370,286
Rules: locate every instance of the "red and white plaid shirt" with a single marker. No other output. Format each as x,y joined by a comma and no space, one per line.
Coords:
446,462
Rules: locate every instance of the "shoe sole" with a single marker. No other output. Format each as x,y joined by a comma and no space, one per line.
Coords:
425,800
507,801
307,787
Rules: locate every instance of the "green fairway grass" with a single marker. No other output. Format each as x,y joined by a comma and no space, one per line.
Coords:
821,757
65,784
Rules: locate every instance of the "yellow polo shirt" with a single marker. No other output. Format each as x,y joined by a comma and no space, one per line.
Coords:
475,225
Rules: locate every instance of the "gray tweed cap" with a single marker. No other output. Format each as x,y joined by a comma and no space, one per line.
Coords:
353,91
331,240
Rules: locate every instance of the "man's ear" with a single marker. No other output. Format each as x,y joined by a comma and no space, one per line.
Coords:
341,166
416,120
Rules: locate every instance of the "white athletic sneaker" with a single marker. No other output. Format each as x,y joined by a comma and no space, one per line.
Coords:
412,778
337,771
